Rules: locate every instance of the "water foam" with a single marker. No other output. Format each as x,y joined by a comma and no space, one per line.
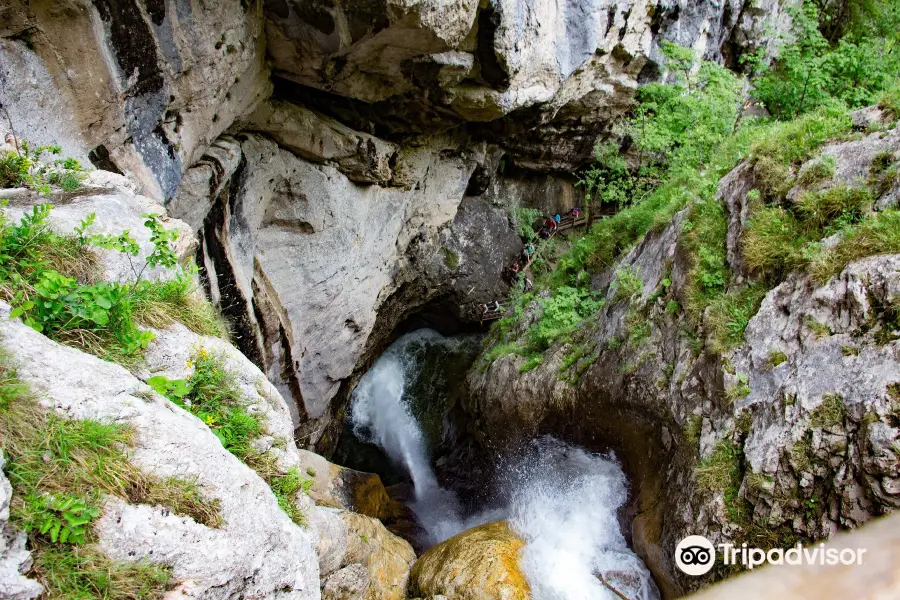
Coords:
562,500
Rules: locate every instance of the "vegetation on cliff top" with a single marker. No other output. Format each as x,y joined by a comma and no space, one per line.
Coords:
52,281
687,134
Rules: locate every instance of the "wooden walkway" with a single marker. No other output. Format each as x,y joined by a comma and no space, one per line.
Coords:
570,222
484,312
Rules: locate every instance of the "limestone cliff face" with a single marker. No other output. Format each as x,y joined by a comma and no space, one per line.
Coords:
362,179
800,420
257,550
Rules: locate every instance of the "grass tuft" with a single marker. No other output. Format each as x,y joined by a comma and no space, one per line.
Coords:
60,470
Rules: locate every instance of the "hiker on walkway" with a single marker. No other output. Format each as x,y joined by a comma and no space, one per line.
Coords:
575,212
550,225
492,307
528,286
527,251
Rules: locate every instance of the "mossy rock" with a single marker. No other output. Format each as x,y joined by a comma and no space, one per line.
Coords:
481,563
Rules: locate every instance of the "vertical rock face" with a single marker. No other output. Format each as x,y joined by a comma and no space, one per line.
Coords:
302,257
138,87
365,188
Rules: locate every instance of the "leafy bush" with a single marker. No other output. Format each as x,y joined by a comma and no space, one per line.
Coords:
525,218
50,280
628,285
562,313
285,487
26,168
813,71
211,394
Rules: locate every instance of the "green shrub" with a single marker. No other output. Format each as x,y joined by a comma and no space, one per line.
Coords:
850,67
27,168
773,243
876,234
51,282
843,205
562,313
524,218
628,284
211,394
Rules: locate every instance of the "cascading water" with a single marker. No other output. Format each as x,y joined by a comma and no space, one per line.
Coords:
562,500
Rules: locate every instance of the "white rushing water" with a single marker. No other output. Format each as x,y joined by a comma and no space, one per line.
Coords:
562,500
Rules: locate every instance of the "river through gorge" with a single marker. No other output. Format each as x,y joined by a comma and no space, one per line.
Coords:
563,501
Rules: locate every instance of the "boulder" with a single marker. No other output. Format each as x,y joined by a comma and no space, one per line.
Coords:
257,552
118,208
386,557
481,563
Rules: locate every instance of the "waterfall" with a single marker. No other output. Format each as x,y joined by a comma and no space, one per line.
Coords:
562,500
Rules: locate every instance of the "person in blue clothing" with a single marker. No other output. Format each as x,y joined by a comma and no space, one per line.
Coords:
556,218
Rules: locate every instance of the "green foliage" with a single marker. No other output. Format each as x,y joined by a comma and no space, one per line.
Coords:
27,168
609,181
776,358
812,71
878,233
84,573
740,390
681,125
889,101
628,285
721,471
532,362
285,487
211,394
562,313
50,281
451,259
829,413
65,518
524,218
693,428
729,314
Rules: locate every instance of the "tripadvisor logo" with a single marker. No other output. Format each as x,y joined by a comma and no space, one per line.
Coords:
696,555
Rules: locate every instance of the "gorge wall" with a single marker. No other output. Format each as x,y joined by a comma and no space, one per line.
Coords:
344,163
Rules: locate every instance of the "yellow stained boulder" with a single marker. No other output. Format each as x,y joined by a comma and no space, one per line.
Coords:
481,563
